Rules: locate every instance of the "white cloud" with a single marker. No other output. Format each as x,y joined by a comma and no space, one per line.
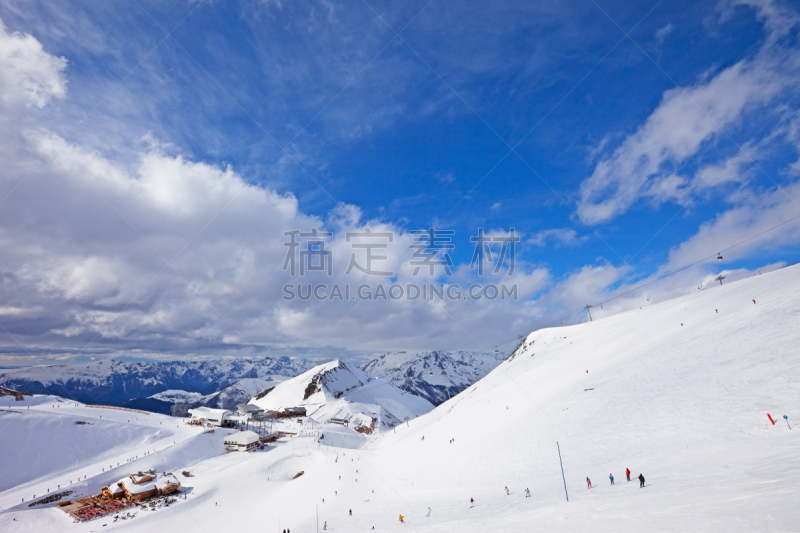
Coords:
661,34
29,76
561,236
687,118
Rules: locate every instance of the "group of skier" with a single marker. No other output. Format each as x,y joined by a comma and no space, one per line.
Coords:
611,477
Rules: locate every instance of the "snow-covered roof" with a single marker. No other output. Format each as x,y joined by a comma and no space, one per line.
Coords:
115,488
242,438
209,413
161,482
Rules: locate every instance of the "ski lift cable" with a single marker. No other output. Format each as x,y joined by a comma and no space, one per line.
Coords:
703,259
714,255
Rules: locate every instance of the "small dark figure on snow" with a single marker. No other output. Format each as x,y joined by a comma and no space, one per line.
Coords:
641,481
471,502
611,477
527,493
588,482
351,512
628,473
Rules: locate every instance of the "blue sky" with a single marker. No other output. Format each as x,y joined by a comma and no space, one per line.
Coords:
622,140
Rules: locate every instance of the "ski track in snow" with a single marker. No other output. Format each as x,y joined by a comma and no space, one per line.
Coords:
684,405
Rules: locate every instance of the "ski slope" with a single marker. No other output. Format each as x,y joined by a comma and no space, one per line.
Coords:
686,405
47,441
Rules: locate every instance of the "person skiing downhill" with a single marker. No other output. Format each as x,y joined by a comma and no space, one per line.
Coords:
325,526
611,477
429,512
588,482
506,489
401,519
527,493
471,502
628,473
641,481
351,512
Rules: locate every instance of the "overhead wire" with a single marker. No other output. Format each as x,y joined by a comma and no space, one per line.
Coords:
706,258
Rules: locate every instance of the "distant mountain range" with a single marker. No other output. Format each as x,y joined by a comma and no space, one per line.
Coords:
435,376
222,383
225,383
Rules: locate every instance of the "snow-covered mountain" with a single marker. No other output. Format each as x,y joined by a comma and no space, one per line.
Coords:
435,376
339,390
684,392
240,392
117,383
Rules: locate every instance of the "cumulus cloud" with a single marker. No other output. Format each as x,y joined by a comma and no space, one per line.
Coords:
29,76
160,254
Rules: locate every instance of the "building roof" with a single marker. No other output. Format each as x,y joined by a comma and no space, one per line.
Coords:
115,488
242,438
207,412
161,482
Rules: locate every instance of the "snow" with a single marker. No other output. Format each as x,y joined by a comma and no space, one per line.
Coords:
178,396
242,438
433,375
339,390
686,405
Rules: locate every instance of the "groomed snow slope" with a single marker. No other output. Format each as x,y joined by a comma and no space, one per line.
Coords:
685,405
47,441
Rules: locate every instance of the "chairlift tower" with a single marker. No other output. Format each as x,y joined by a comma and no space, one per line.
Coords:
588,309
719,278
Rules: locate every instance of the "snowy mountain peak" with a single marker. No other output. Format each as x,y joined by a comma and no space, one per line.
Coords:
433,375
339,390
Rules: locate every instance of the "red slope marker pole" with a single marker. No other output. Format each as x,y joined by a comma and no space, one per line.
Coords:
770,419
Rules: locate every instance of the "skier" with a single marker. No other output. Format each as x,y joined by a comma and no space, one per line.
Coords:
506,489
588,482
527,493
611,477
471,502
429,512
401,519
628,473
641,481
324,526
351,512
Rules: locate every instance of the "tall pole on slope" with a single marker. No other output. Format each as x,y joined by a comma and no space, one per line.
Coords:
317,507
588,307
562,471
